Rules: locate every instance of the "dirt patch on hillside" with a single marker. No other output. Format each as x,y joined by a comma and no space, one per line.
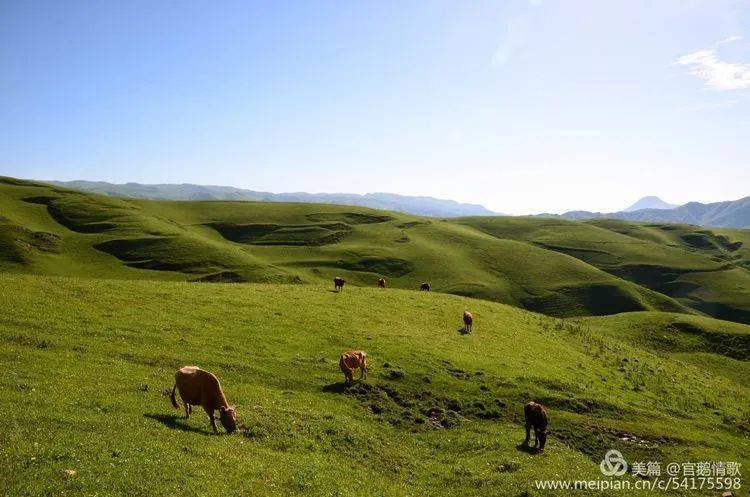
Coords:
387,266
349,217
413,224
19,244
277,234
221,277
422,409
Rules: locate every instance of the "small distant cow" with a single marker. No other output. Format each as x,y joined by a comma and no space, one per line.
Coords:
468,320
338,283
425,287
381,283
536,417
352,360
199,387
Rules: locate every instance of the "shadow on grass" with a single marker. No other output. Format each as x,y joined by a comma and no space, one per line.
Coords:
462,331
523,447
176,422
338,387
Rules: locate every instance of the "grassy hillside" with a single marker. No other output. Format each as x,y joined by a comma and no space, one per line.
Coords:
86,363
705,270
556,267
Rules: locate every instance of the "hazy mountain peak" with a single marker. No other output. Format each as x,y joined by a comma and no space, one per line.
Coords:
650,202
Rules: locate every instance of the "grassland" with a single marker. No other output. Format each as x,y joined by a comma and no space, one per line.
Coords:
101,305
560,268
86,363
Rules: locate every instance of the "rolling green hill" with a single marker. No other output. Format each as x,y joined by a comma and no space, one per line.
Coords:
87,364
705,270
560,268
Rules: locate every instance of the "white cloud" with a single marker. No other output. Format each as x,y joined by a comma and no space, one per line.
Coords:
719,74
727,40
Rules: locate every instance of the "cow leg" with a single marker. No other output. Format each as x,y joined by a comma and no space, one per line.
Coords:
528,434
536,437
213,422
187,410
361,372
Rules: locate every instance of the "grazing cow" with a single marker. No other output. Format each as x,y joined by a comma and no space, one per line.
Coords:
536,417
425,287
338,283
352,360
198,387
468,320
381,283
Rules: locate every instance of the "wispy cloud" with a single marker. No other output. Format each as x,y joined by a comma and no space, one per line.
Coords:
727,40
719,74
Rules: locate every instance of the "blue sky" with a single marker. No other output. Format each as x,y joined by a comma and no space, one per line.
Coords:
523,106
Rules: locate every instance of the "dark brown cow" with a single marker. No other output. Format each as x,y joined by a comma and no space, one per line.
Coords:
425,287
200,388
468,320
381,283
349,361
536,417
338,283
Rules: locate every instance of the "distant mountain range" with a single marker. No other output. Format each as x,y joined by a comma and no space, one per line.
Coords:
731,214
420,206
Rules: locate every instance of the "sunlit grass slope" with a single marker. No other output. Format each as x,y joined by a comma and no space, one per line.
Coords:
86,363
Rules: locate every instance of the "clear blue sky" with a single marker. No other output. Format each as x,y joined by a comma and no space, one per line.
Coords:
523,106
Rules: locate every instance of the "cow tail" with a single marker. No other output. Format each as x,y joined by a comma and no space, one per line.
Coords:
172,397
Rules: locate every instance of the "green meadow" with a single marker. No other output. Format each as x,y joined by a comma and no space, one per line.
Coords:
635,337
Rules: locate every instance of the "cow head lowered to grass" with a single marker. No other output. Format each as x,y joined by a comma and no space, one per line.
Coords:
228,418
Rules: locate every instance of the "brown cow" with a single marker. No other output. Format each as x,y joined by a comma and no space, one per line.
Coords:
468,320
198,387
425,287
338,283
536,417
352,360
381,283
